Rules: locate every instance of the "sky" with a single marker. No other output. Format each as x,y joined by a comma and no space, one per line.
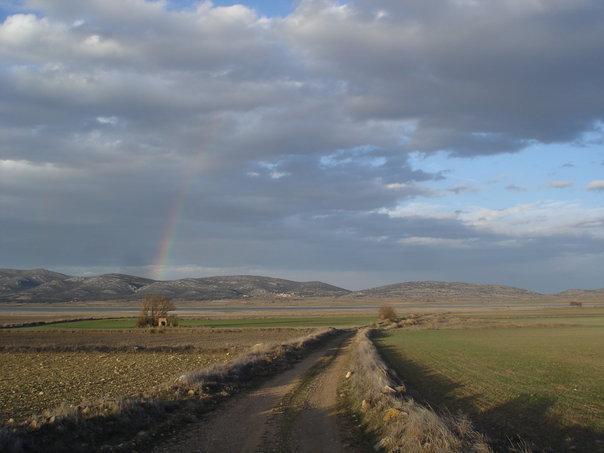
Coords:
359,142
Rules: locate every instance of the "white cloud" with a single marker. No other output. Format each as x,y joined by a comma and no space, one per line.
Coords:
25,37
420,210
16,169
423,241
597,184
112,120
560,184
397,186
97,46
278,174
23,29
539,219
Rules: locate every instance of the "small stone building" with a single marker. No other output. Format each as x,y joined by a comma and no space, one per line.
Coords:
162,322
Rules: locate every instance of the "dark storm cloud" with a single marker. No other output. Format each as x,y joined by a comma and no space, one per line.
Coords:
477,76
285,140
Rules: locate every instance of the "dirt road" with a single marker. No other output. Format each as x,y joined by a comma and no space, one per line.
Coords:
294,411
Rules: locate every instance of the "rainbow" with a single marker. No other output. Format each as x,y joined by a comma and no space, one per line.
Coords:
169,232
167,236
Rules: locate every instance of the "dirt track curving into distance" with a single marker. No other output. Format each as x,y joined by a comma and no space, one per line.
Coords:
293,411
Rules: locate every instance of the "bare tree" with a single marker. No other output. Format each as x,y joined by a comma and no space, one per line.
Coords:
154,307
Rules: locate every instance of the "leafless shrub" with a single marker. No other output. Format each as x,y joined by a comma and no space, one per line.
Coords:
153,308
401,423
387,313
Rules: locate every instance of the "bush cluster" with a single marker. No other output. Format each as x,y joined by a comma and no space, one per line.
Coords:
387,313
153,308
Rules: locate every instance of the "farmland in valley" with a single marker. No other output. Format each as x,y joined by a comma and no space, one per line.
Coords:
42,369
530,375
257,322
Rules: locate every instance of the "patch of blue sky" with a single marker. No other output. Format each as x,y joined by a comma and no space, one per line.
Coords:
175,5
268,8
361,155
503,180
9,7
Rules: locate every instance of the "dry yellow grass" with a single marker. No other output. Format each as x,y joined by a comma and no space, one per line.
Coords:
399,422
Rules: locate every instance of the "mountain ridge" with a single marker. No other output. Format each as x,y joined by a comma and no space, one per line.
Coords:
437,291
42,285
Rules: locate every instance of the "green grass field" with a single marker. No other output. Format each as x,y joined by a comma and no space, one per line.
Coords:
549,316
311,321
545,384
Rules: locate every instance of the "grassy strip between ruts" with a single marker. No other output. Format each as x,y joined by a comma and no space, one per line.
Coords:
402,424
291,321
292,403
544,385
130,423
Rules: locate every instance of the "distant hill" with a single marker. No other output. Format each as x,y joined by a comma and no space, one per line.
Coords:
431,291
582,295
12,280
40,285
582,292
240,286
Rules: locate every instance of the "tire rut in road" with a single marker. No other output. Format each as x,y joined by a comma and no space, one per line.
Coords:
250,422
309,418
